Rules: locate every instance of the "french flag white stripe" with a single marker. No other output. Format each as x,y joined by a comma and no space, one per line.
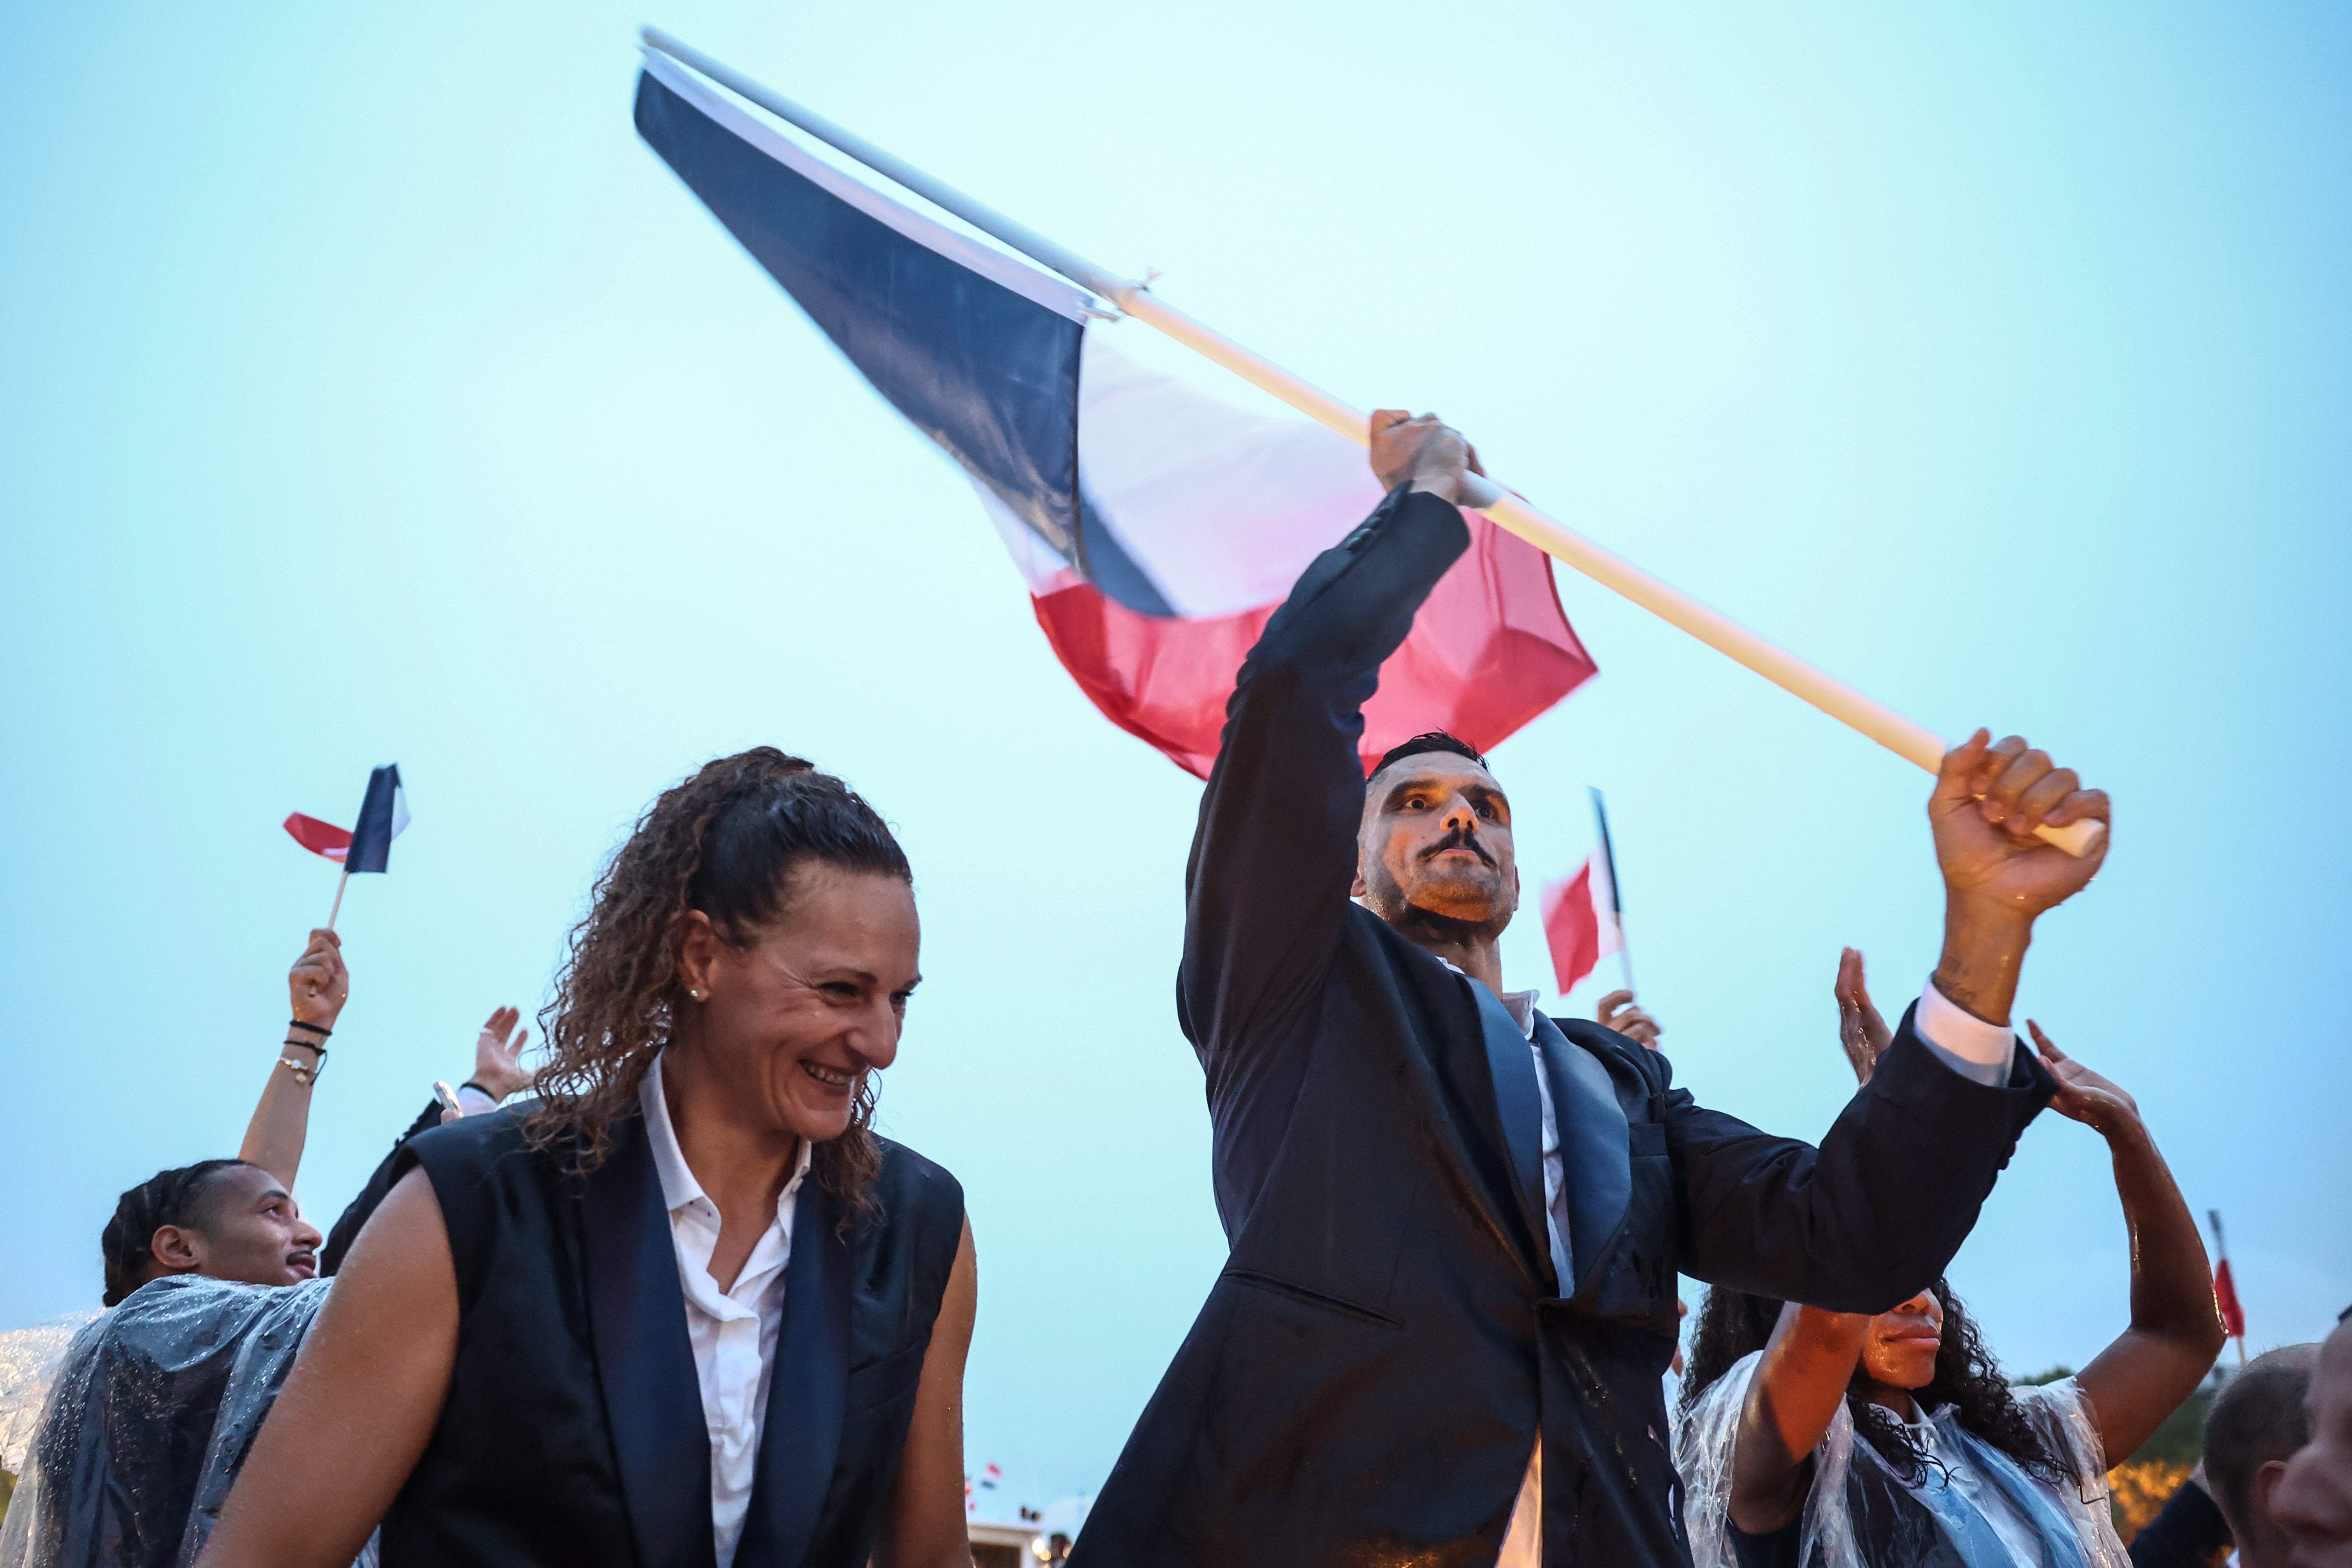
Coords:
1221,508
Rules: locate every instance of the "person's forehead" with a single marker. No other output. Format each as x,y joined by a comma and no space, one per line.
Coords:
248,1186
1444,768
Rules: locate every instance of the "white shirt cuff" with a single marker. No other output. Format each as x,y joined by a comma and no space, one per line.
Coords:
474,1102
1967,1045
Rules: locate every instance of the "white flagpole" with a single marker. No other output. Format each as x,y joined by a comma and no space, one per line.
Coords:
1914,743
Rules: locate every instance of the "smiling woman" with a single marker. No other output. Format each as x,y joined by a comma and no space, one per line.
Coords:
705,1351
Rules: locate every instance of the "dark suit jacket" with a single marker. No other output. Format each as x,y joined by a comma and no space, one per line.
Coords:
354,1217
573,1436
1379,1357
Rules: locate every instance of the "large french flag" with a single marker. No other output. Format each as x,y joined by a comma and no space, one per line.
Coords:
1158,529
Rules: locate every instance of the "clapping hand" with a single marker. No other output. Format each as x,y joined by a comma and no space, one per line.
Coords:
1617,1011
498,1054
2083,1095
1861,1030
319,983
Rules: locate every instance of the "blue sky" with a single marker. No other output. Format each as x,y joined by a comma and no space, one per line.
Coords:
370,394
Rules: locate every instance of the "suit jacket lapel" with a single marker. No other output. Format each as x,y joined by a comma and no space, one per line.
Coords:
1513,1069
1596,1158
807,1391
645,1361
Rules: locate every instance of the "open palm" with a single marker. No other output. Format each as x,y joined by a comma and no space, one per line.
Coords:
2083,1095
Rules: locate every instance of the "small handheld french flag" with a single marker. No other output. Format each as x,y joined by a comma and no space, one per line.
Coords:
1584,916
368,846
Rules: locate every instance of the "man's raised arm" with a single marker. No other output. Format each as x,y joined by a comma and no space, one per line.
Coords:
1274,853
1875,1214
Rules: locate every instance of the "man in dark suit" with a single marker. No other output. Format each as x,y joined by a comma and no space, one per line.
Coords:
1456,1223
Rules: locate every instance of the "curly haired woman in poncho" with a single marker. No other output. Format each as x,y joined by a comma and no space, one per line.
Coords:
1814,1440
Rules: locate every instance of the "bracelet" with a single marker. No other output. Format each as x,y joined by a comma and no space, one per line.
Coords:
305,1076
475,1083
309,1045
308,1028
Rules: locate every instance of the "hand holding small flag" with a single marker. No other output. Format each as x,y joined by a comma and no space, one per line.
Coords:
1616,1011
319,984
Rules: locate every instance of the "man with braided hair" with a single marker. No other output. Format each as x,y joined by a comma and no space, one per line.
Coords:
212,1276
1455,1222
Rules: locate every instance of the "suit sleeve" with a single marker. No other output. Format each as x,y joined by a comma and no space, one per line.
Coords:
1870,1218
354,1218
1274,853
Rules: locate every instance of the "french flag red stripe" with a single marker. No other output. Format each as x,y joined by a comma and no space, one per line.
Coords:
1490,652
1580,925
319,837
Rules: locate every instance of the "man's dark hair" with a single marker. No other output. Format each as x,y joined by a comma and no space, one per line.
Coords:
181,1196
1429,740
2261,1416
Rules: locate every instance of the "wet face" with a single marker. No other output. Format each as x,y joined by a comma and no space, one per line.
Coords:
2312,1500
252,1232
793,1022
1901,1349
1436,838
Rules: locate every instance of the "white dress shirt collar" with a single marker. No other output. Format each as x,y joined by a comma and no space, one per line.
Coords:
677,1183
1519,1004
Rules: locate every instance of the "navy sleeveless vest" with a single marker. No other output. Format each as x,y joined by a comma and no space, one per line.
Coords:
573,1435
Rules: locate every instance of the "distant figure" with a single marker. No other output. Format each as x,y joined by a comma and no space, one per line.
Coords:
2258,1422
2188,1532
1820,1439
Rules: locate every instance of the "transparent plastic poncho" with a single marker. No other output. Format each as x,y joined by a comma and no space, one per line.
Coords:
1843,1527
148,1414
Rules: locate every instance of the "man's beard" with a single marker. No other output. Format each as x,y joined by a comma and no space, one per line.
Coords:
1428,924
1451,930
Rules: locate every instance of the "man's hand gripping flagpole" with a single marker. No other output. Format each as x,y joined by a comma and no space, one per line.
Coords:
1905,739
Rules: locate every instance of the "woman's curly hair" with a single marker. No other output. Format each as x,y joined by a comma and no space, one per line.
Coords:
726,842
1733,1324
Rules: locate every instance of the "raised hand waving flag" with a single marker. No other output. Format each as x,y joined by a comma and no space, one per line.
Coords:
1157,529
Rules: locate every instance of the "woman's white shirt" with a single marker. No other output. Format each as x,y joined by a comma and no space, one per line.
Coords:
733,1331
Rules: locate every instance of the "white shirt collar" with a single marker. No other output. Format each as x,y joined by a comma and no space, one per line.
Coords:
1519,1004
678,1186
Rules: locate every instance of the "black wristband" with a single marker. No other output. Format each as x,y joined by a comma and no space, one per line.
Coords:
477,1083
308,1028
311,1045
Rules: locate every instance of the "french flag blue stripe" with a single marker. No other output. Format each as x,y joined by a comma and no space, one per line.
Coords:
383,813
989,374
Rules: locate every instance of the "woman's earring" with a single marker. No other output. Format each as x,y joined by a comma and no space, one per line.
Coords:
695,995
